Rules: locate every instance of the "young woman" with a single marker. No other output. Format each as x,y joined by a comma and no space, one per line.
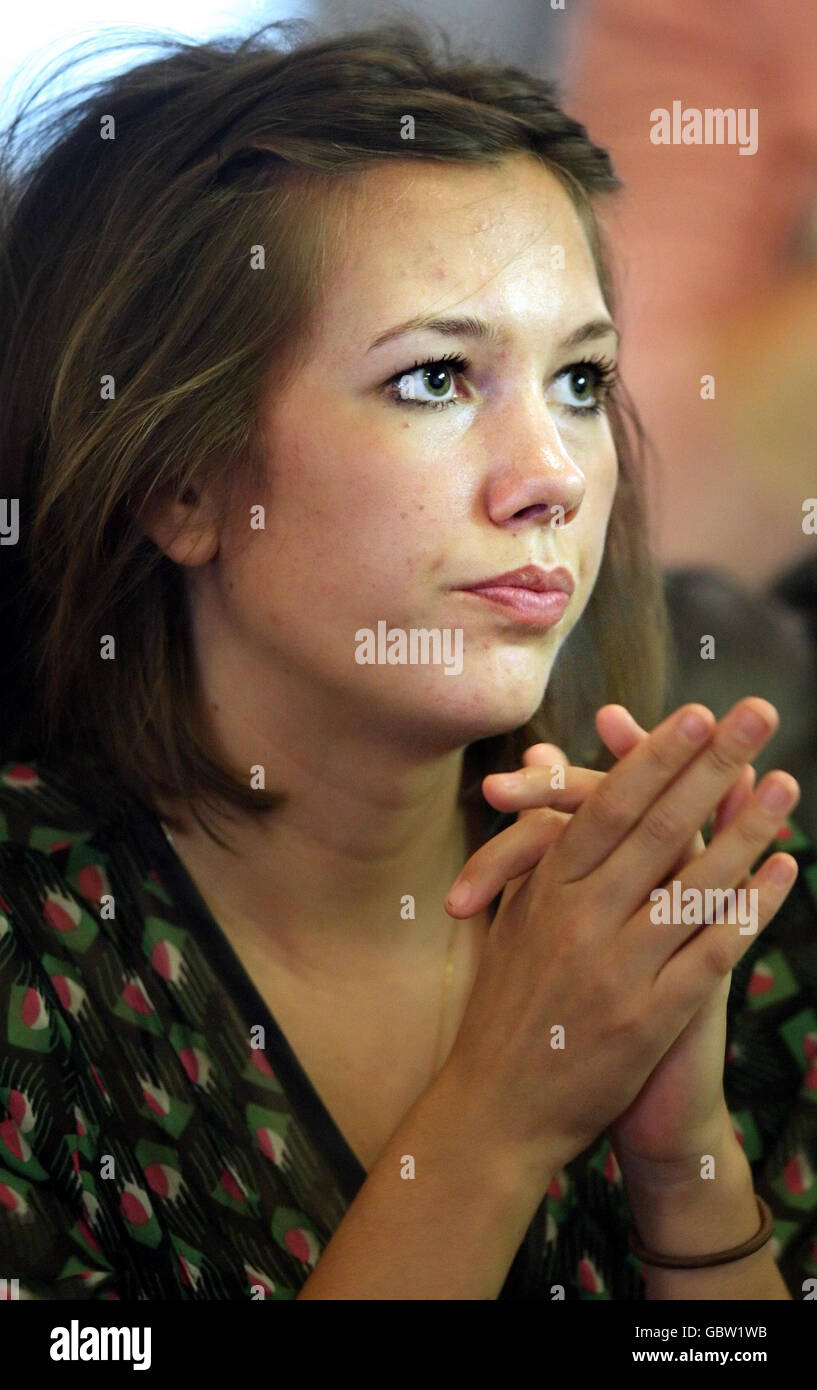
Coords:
312,442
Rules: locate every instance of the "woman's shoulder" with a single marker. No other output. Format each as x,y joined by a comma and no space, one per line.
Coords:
148,1148
46,804
61,850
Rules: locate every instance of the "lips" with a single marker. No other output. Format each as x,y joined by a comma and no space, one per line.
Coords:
532,577
533,596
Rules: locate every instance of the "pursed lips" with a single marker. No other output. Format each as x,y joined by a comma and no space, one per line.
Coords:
532,577
531,595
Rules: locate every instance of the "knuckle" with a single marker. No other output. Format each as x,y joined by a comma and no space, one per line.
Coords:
751,835
605,809
720,759
546,825
643,1031
541,830
659,758
634,1025
660,825
718,953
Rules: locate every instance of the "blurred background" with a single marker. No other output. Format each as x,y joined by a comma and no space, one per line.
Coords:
716,270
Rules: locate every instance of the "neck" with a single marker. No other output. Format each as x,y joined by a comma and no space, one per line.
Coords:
371,828
353,862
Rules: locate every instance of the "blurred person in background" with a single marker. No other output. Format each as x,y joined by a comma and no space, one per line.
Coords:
717,250
718,254
724,638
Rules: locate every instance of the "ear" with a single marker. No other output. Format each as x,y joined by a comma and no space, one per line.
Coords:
182,527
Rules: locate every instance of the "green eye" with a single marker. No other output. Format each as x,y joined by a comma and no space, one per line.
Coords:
599,376
404,386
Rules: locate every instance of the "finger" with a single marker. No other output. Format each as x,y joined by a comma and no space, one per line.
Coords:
543,755
507,855
620,732
725,864
618,729
651,803
696,846
547,754
656,841
564,788
733,802
735,799
688,978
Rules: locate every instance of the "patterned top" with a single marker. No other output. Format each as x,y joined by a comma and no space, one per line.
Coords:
160,1140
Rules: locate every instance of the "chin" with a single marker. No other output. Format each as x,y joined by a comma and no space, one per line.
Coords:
487,712
499,688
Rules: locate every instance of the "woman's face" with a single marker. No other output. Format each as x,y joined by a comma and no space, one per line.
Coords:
384,509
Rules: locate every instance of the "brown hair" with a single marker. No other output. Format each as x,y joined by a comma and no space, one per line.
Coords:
125,246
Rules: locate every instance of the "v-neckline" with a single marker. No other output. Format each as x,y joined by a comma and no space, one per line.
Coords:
328,1141
310,1110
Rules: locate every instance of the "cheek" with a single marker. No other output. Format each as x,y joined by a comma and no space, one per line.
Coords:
370,518
324,513
348,480
597,509
607,476
350,551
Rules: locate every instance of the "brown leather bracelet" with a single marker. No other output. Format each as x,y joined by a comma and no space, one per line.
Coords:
652,1257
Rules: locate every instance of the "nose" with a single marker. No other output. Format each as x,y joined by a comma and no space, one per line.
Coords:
535,477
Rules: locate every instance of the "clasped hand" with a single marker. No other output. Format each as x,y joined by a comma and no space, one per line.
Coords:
680,1112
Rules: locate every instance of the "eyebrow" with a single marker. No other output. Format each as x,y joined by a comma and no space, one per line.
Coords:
470,327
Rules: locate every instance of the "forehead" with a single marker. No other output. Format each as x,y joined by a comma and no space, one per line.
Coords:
421,236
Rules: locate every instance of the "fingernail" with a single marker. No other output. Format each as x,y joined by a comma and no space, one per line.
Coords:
751,725
775,796
782,872
460,895
693,727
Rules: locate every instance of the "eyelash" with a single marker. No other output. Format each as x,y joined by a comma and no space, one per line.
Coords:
605,372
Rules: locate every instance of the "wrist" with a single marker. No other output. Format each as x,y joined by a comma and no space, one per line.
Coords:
523,1172
709,1207
668,1174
